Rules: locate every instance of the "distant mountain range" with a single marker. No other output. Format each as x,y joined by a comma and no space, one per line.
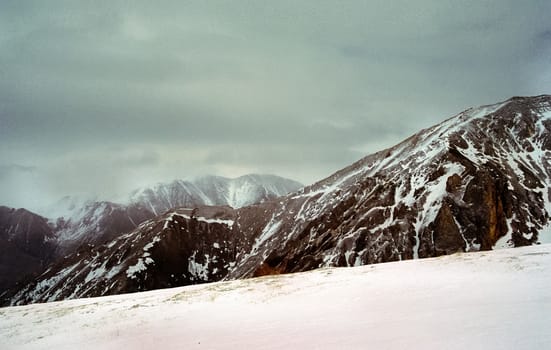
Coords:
477,181
30,242
213,190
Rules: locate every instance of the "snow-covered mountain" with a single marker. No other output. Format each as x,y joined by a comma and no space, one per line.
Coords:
163,252
75,224
30,242
79,220
476,181
65,208
87,221
213,190
97,222
491,300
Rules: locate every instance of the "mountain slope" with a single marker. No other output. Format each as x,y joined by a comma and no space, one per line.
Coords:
78,225
478,180
26,245
97,223
491,300
182,247
213,190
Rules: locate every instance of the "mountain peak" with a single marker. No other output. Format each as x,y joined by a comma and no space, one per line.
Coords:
214,190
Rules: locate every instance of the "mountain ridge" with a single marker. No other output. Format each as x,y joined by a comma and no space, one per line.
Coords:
213,190
80,224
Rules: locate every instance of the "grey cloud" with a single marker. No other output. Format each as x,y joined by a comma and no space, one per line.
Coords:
148,91
138,159
17,185
13,169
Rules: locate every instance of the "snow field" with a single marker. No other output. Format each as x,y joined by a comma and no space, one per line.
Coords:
485,300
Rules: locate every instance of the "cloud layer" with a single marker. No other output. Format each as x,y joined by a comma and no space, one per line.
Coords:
104,97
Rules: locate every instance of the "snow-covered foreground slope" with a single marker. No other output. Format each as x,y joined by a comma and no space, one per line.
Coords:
486,300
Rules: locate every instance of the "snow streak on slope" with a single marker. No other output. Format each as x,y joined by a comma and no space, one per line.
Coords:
491,300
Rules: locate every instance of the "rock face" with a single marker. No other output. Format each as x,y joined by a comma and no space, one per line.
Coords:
479,180
26,245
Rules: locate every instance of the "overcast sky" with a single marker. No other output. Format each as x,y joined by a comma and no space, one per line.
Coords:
106,96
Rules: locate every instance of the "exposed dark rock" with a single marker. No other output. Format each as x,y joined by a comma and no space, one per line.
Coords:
26,245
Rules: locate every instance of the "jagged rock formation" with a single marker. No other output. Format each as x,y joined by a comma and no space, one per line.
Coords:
26,245
478,180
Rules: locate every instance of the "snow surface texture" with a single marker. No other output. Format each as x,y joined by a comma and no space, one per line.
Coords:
484,300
